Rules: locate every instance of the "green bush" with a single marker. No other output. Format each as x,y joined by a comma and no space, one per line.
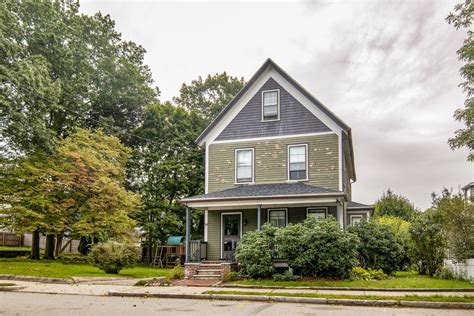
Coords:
287,276
359,273
231,276
112,256
445,273
318,248
176,273
255,252
379,248
73,258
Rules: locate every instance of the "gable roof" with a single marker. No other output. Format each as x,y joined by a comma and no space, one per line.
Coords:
270,63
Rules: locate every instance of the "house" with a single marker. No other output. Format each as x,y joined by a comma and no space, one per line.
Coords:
468,190
274,154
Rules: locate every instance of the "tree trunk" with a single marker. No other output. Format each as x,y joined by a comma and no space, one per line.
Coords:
49,249
35,246
59,244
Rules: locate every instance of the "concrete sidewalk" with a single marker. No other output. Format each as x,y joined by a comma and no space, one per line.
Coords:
96,288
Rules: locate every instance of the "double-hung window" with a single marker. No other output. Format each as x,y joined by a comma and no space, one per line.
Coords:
278,217
298,162
355,219
244,165
318,213
271,105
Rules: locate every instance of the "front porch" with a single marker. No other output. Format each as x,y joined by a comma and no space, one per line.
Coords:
230,213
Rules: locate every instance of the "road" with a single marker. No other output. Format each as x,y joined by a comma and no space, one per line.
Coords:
15,303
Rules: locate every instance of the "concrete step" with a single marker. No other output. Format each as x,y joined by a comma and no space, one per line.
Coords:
210,265
206,277
208,272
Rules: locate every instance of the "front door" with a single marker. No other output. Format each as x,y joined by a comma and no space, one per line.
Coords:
231,232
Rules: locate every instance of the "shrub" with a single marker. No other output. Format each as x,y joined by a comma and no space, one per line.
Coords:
359,273
73,258
176,273
113,256
429,242
445,273
231,276
287,276
378,247
318,248
255,252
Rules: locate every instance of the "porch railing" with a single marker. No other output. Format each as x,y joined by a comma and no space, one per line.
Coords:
198,250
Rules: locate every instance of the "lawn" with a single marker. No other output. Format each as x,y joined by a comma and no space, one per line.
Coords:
57,269
430,298
5,248
399,280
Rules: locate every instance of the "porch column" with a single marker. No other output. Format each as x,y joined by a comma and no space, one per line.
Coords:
259,217
340,214
188,232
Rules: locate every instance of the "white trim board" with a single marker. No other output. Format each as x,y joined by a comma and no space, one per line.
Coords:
222,228
270,137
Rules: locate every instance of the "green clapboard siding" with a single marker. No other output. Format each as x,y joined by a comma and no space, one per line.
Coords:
271,161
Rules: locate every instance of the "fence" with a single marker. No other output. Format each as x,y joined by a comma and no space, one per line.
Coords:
11,239
69,246
464,270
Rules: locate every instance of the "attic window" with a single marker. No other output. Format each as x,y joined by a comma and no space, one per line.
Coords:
270,105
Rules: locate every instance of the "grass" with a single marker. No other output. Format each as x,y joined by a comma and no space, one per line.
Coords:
399,280
57,269
5,248
430,298
7,284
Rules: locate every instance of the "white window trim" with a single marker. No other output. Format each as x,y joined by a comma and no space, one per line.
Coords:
252,167
315,208
288,162
222,229
278,209
355,216
278,105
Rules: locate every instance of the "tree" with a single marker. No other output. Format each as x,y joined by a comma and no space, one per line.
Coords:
429,242
166,166
79,188
461,17
60,69
457,219
208,97
379,248
394,205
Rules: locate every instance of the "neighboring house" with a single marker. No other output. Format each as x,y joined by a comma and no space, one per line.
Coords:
274,154
468,190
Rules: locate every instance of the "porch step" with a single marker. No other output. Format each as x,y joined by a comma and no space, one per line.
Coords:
207,277
208,272
210,266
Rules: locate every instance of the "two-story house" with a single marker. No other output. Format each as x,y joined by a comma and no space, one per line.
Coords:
274,154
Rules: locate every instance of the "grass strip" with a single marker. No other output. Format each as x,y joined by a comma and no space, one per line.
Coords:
7,284
401,279
414,298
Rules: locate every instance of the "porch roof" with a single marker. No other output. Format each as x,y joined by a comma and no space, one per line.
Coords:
351,205
264,191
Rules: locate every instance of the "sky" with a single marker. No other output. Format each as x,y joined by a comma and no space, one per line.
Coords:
387,68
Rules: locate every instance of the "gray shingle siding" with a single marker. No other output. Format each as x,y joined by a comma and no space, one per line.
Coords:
294,118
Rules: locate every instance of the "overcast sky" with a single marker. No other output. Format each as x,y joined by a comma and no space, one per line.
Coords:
387,68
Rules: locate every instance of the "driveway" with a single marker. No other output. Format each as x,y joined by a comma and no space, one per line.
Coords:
18,303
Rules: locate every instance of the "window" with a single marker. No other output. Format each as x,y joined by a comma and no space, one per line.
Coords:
278,217
271,105
355,219
244,165
297,162
318,213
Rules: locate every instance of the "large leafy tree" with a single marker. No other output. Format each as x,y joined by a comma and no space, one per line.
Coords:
165,169
462,17
60,69
394,205
457,219
209,96
79,188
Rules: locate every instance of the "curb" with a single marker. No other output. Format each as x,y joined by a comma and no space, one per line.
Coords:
11,288
274,287
36,279
301,300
